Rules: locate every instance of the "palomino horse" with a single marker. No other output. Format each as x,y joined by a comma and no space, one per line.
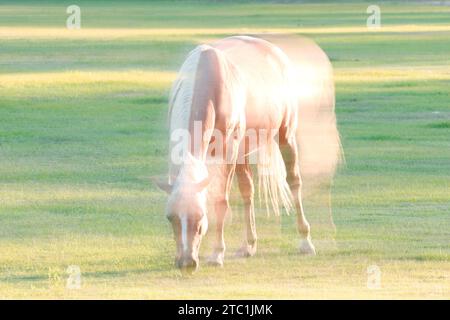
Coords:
226,95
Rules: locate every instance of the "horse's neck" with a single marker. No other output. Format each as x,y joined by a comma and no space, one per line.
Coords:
204,101
200,124
196,97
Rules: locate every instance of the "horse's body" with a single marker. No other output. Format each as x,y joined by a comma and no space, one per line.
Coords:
226,90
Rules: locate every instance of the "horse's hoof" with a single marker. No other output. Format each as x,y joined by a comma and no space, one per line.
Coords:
215,260
246,251
307,248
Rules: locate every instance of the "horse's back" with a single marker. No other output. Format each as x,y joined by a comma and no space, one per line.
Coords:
264,69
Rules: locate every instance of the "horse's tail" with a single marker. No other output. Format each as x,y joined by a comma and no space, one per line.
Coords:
320,150
272,185
318,140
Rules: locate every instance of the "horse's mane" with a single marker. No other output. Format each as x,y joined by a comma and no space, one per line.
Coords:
182,91
180,99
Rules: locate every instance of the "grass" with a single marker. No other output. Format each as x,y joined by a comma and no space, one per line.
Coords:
82,128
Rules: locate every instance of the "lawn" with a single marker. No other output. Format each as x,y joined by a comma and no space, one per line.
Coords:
83,128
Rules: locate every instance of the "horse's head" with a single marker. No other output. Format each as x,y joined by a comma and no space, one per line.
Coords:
186,210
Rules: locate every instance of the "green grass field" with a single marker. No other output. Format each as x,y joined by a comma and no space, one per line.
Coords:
83,128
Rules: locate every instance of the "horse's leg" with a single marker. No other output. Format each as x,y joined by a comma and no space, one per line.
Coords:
247,190
290,157
221,208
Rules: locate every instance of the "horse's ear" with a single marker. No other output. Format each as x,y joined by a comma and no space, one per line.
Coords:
165,186
199,186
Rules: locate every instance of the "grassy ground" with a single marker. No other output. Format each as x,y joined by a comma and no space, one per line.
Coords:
82,128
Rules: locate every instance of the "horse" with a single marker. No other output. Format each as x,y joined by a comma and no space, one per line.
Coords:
226,95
